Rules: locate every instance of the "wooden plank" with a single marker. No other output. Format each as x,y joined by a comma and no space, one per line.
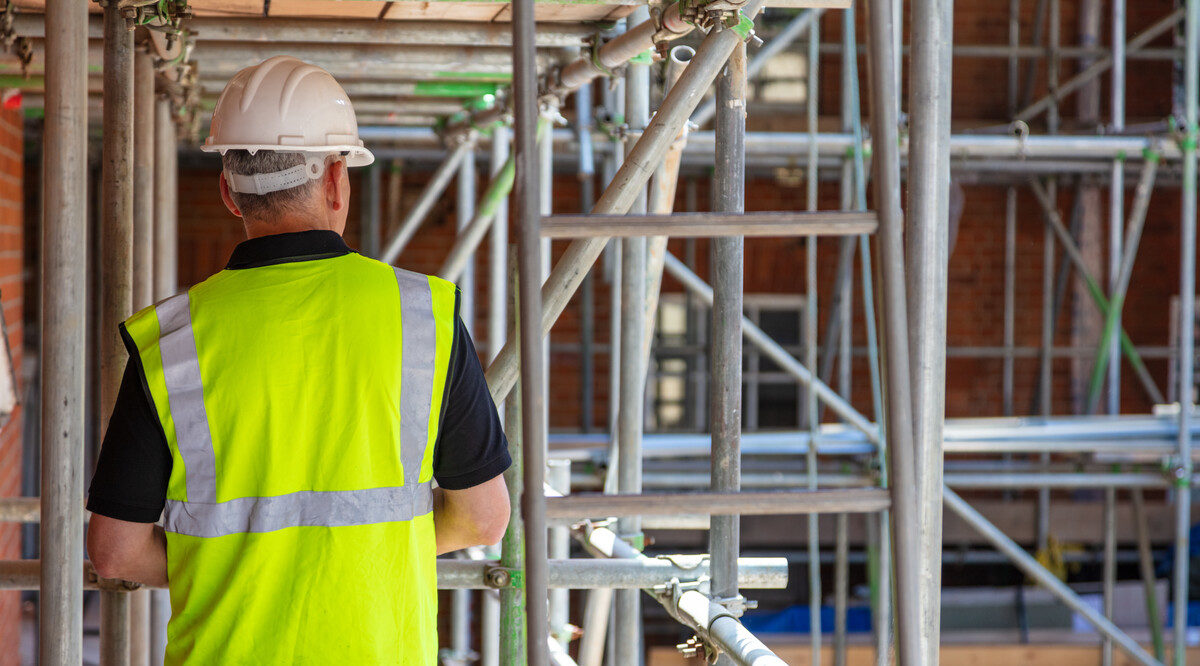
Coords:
951,655
327,8
464,11
810,4
777,224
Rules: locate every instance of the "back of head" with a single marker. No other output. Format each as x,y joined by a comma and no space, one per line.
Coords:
276,125
263,207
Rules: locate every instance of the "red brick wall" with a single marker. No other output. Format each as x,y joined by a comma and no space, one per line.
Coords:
11,302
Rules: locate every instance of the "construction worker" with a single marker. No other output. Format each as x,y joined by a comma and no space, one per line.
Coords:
287,416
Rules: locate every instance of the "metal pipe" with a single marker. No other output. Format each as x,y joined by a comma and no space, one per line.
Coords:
117,285
143,190
719,626
902,454
1116,202
1037,572
928,264
853,500
712,622
841,585
498,251
785,38
726,345
465,213
558,476
1109,575
346,31
372,210
466,574
166,257
64,339
1187,327
811,415
429,196
620,194
166,214
1146,567
630,400
973,149
513,600
533,408
621,49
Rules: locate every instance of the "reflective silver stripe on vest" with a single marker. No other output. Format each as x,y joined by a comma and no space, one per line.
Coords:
185,393
202,516
303,509
416,370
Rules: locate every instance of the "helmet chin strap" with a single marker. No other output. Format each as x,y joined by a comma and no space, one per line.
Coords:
264,183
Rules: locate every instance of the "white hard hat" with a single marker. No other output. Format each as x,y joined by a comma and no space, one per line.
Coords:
287,105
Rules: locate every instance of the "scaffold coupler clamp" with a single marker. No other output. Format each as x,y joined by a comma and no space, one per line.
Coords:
1020,130
1178,472
498,577
736,605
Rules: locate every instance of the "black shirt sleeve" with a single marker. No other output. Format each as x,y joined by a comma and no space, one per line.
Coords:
471,447
130,481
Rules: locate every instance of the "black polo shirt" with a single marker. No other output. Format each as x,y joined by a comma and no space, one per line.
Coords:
130,481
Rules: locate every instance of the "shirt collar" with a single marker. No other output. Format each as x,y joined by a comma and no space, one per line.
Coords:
285,248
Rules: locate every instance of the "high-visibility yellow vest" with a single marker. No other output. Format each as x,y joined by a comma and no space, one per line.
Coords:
301,402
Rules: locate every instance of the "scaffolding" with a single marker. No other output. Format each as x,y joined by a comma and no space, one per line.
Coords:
898,466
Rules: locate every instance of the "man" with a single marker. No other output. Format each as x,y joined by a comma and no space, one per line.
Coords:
286,416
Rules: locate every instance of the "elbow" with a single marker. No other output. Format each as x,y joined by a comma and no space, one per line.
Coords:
492,531
105,560
491,523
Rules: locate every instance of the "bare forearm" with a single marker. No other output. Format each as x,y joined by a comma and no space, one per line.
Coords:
451,531
472,517
140,558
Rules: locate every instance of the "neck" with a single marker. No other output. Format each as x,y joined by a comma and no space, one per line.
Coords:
285,224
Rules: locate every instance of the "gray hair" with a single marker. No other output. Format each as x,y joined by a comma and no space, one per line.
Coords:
272,204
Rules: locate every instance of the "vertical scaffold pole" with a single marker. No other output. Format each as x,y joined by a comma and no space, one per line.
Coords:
902,459
1187,330
928,262
628,603
143,282
498,286
117,288
462,600
464,213
64,282
533,409
729,189
512,547
811,410
166,251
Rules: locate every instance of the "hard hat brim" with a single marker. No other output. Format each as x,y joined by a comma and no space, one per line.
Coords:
356,156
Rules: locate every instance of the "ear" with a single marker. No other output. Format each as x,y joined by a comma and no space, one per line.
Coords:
227,197
337,184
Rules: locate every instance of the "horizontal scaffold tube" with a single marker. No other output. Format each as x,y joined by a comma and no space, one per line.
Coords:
342,31
783,502
576,574
836,144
